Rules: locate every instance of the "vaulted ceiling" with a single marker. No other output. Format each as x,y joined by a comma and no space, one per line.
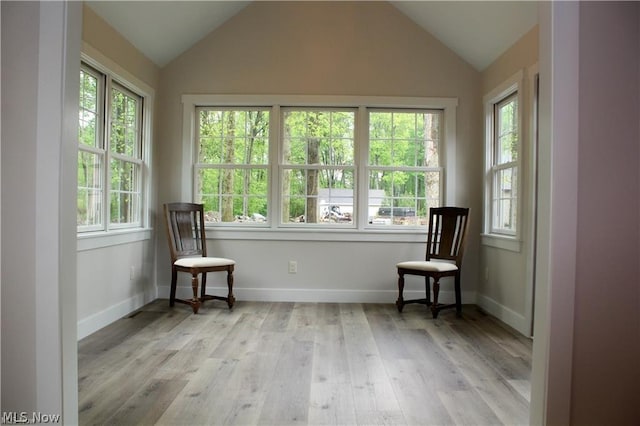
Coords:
478,31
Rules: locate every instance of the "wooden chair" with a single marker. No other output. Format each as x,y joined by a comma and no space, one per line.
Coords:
445,246
188,248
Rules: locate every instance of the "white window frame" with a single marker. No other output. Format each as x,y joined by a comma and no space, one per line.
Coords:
282,167
416,169
500,238
236,166
108,234
361,231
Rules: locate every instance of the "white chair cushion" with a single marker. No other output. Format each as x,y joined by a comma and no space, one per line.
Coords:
203,262
429,266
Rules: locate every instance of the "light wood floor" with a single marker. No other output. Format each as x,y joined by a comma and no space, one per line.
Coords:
304,363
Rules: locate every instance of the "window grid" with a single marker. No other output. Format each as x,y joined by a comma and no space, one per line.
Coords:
231,173
411,166
504,170
290,171
317,166
110,163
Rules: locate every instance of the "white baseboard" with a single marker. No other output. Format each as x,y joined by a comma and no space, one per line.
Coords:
316,295
504,314
95,322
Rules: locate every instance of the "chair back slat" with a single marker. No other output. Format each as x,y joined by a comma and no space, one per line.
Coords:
446,233
185,229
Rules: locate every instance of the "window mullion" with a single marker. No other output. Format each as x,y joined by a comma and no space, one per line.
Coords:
107,158
274,209
361,162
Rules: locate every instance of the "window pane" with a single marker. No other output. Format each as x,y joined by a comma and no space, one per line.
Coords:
402,197
505,200
125,125
125,192
507,130
89,110
90,186
404,138
318,196
233,195
404,172
324,193
319,137
240,138
233,137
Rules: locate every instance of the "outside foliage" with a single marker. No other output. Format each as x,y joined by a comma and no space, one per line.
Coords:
123,153
90,167
404,164
318,165
505,190
232,170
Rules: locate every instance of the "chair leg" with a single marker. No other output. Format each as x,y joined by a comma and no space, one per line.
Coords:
172,294
458,296
230,299
195,302
427,284
203,288
436,291
400,301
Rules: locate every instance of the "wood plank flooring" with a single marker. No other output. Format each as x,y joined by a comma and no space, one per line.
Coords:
304,364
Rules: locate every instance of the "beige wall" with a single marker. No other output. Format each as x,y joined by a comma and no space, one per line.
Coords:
101,36
323,48
521,55
505,288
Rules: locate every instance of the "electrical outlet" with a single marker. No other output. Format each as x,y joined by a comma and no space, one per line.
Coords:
293,267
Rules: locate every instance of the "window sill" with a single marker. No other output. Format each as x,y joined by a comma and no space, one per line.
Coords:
336,235
96,240
501,242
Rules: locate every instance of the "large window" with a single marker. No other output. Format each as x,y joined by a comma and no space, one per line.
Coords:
330,165
110,154
503,159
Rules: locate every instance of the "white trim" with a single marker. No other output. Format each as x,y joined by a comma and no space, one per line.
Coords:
104,64
101,319
502,242
315,295
275,102
506,88
96,240
319,101
504,314
101,63
317,234
532,188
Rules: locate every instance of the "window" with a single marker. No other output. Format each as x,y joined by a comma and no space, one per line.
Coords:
504,196
232,168
293,162
404,172
503,148
110,154
318,167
